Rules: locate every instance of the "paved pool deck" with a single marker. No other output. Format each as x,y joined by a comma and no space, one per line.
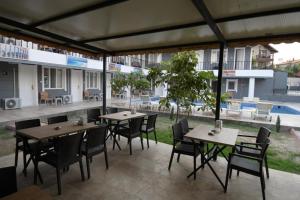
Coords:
10,116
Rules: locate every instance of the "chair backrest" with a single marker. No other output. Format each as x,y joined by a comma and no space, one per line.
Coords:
264,147
44,95
136,124
68,148
57,119
86,93
264,108
27,124
111,110
8,181
263,134
96,137
151,121
234,105
177,132
93,115
184,126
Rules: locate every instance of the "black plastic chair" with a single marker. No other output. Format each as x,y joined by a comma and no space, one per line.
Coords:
57,119
133,131
262,134
67,151
112,110
95,144
8,181
180,147
185,126
248,164
93,115
149,127
23,144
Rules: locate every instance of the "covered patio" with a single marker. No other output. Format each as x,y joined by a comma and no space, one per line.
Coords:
145,175
129,27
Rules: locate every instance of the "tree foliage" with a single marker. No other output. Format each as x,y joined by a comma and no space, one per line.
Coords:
136,80
184,83
118,82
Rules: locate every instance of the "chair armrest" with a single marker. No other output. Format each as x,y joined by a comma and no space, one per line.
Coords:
246,147
244,156
250,143
251,136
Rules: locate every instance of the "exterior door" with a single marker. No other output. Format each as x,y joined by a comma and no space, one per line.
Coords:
28,90
239,58
76,85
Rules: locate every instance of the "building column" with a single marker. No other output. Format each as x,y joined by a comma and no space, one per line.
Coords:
219,86
251,87
104,85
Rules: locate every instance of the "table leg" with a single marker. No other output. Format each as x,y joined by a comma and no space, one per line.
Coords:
35,159
113,134
216,150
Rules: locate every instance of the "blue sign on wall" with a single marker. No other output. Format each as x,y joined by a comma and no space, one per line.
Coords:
76,61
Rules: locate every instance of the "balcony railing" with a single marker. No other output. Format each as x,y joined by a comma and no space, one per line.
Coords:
235,65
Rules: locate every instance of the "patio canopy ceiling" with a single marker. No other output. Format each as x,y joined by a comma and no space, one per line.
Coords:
121,27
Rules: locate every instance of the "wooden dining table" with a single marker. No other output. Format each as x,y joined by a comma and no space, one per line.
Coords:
225,138
119,117
46,132
29,193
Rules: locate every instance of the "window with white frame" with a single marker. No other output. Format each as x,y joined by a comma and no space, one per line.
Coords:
200,58
54,78
225,56
92,80
231,85
214,55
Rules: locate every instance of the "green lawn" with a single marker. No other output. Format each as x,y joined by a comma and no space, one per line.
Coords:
4,134
284,160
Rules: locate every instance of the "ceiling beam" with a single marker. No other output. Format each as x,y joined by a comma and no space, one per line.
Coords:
195,24
79,11
201,7
293,37
21,26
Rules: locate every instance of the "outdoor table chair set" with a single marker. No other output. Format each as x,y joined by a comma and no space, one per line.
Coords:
62,143
248,157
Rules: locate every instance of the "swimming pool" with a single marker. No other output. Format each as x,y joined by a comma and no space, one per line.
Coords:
281,109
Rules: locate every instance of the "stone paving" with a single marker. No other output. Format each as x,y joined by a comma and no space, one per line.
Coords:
144,175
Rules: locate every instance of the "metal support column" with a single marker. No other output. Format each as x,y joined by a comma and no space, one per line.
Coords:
219,87
104,84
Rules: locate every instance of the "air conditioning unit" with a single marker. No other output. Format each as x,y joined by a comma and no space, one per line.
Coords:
11,103
67,99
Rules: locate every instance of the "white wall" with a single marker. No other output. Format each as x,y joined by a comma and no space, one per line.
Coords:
46,57
250,73
108,85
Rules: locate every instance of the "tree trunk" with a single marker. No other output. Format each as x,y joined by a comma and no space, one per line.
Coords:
177,111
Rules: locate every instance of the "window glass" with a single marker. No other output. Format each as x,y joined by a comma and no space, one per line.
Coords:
91,79
231,85
53,78
46,78
214,56
59,78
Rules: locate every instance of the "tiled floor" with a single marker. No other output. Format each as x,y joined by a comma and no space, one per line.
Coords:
144,175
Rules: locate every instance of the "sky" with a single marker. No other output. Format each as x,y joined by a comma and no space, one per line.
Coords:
286,52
